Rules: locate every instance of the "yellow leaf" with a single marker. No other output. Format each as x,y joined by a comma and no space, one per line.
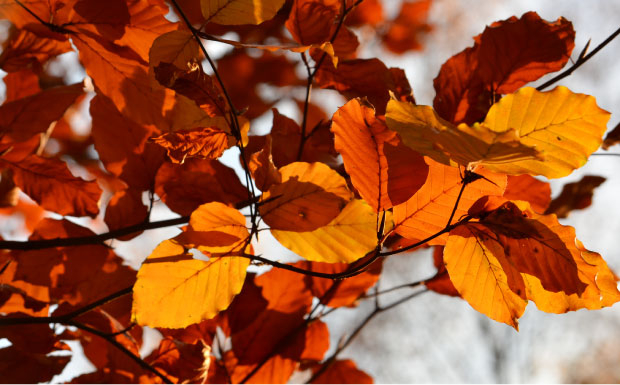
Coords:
347,238
216,228
310,196
236,12
563,126
424,131
174,291
482,274
175,47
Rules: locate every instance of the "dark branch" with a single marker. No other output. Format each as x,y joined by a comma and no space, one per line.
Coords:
580,61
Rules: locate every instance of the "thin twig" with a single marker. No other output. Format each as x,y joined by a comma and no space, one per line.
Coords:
143,364
580,61
312,74
358,329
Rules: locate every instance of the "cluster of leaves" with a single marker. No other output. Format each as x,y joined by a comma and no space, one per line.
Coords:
381,177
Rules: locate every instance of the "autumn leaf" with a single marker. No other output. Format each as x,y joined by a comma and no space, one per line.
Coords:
178,48
25,49
527,188
347,238
184,187
263,170
203,142
428,210
341,293
16,117
173,290
424,131
51,184
311,195
343,372
520,135
239,11
575,196
122,144
513,254
505,57
563,126
368,78
483,276
384,171
405,31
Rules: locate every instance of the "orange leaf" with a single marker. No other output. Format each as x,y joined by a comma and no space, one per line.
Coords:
51,184
342,372
311,21
515,51
125,209
382,169
202,142
23,118
24,49
263,170
527,188
365,78
482,274
173,290
428,210
575,196
122,144
122,75
21,84
184,187
506,56
513,254
408,27
310,196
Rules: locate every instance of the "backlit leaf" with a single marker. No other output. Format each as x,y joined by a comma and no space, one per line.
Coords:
513,253
424,131
347,238
174,290
483,276
527,188
428,210
563,126
239,11
382,169
51,184
23,118
311,195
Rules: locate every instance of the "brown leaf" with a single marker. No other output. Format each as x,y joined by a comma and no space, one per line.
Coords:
406,30
368,78
23,118
575,196
506,56
342,372
184,187
51,184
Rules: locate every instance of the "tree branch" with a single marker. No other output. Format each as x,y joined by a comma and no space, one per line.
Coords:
357,331
143,364
580,61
